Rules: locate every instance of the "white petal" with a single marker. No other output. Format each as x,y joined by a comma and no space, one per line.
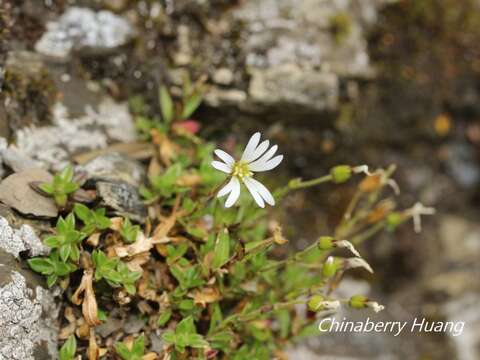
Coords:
265,157
251,146
234,194
265,166
263,191
222,167
226,189
258,151
253,191
227,159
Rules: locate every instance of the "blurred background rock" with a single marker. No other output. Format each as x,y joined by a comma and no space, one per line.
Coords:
332,81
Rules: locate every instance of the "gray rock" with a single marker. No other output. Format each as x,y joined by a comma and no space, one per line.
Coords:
16,159
16,192
115,167
289,84
123,198
297,51
84,29
53,145
133,325
14,241
27,318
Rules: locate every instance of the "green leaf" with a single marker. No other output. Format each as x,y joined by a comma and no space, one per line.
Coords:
222,250
70,187
60,199
166,105
164,317
138,347
196,341
51,280
221,340
47,187
41,265
123,351
169,337
65,252
186,326
191,105
68,349
67,174
82,212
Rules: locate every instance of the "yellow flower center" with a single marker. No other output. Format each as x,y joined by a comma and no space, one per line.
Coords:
241,170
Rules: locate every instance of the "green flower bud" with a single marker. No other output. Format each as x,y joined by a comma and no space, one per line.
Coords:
315,302
341,173
394,220
358,301
329,267
325,243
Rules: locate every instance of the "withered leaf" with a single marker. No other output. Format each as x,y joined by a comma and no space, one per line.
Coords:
89,303
205,296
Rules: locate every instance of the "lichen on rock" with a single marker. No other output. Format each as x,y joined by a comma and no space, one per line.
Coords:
25,331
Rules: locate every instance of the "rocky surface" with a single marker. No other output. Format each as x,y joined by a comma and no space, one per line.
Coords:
115,167
15,191
54,145
27,317
84,29
123,198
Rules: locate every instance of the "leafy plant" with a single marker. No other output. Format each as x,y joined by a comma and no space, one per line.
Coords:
214,278
61,186
93,219
66,239
135,352
114,271
129,231
53,267
185,335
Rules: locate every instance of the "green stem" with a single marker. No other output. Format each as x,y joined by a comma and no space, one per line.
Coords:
358,239
299,184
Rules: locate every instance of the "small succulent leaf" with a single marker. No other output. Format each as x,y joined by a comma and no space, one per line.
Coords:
68,349
166,104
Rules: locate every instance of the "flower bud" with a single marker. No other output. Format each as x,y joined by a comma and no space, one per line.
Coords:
394,219
315,302
358,301
329,267
325,243
318,303
341,173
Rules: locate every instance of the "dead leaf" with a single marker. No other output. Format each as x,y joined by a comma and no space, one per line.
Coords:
371,183
141,245
154,168
116,223
89,303
205,296
278,236
94,239
189,180
150,356
93,352
167,150
68,330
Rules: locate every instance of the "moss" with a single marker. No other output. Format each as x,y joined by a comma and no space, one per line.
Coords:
340,26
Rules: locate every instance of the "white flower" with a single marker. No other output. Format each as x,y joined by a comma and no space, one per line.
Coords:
256,157
416,211
375,306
